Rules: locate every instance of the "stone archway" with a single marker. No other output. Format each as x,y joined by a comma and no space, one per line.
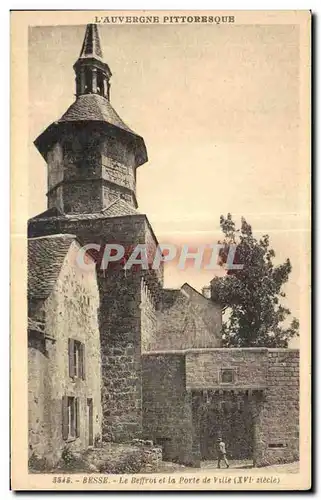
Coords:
233,415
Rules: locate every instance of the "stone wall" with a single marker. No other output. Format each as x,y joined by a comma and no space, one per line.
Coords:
148,317
55,166
279,418
167,406
81,196
120,325
38,416
258,412
92,170
117,149
119,315
204,368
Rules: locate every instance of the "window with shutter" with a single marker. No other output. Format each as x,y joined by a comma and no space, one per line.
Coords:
76,354
71,357
71,418
65,418
83,362
77,422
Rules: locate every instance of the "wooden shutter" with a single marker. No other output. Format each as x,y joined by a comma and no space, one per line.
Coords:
65,418
77,420
71,350
83,361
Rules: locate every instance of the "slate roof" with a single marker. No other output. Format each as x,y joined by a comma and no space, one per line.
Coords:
46,255
91,46
117,208
93,107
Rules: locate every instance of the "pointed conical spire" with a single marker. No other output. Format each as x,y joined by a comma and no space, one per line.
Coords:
91,46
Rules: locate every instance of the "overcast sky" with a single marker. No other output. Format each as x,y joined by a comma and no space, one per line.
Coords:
218,107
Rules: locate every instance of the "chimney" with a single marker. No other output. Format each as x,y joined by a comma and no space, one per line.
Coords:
206,291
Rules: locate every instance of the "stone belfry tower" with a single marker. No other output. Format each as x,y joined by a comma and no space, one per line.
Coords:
91,158
91,154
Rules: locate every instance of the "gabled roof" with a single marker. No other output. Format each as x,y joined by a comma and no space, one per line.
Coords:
179,325
46,255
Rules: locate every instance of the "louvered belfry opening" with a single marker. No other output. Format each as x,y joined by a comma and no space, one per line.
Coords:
92,73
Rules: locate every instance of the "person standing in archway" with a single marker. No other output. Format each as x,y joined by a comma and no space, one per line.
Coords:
221,453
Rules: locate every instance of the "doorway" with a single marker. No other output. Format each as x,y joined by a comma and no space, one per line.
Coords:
229,418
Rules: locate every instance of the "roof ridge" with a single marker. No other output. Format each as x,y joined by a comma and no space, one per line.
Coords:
59,235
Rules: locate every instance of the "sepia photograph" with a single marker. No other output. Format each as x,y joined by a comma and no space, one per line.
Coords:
164,230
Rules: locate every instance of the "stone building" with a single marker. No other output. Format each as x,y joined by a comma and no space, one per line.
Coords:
64,365
248,396
163,373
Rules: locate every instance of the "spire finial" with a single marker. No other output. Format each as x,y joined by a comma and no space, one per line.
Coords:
91,46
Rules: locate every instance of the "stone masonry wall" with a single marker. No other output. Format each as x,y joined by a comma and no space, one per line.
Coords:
167,406
148,316
82,196
265,384
92,170
38,428
279,419
119,316
121,356
204,367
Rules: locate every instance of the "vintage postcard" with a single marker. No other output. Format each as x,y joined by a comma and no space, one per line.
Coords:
160,242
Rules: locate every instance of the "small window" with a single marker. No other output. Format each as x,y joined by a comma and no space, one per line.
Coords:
227,376
76,359
277,445
70,418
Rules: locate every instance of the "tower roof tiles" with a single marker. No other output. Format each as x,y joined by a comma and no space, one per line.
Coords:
45,258
91,46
